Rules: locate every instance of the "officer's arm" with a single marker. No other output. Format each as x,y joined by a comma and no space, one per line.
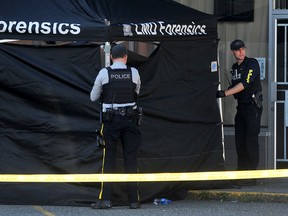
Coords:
97,88
136,79
252,72
237,88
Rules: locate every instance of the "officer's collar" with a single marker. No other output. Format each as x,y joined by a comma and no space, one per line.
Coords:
119,64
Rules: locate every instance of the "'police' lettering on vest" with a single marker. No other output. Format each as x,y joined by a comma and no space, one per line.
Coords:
120,76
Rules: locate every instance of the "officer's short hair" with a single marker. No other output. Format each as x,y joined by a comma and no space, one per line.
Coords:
118,51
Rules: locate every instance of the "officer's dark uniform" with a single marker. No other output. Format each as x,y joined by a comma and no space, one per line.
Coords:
248,116
119,124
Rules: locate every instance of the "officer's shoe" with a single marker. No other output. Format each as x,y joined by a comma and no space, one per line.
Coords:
102,204
135,205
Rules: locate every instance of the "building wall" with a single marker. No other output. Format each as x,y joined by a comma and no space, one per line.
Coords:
255,36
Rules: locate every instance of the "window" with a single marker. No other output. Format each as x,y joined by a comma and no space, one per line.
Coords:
234,10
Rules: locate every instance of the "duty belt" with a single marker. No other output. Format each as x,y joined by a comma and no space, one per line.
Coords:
123,111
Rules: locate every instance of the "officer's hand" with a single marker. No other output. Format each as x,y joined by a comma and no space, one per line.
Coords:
220,94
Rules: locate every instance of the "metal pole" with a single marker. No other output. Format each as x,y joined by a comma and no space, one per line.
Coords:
220,106
107,50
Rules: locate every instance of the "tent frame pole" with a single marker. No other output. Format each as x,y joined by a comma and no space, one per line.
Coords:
107,50
220,107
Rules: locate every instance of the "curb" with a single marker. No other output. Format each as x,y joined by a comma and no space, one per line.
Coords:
237,196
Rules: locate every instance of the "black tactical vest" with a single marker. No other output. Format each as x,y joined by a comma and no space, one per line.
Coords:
120,87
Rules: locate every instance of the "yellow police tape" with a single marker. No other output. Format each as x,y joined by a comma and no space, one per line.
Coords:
147,177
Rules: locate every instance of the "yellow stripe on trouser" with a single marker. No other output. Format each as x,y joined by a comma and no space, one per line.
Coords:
147,177
102,171
103,164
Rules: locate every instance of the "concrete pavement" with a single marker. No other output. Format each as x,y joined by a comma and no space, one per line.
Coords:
265,190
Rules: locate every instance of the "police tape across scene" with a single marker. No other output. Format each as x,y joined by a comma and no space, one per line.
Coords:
147,177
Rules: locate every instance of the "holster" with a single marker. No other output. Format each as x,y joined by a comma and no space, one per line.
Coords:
139,116
108,115
257,99
99,137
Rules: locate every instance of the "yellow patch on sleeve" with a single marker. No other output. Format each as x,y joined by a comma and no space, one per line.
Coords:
249,76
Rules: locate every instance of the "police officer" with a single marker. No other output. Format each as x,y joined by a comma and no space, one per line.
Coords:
119,86
246,88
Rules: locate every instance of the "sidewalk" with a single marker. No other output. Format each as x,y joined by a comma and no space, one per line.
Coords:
266,190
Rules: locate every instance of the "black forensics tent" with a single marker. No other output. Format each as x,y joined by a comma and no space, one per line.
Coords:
48,121
101,20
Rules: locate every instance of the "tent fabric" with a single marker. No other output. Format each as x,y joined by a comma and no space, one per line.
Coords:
102,20
48,122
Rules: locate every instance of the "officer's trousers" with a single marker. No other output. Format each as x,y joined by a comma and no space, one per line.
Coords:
247,129
124,129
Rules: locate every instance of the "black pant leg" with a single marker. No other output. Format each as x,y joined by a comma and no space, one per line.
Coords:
240,139
247,129
109,157
253,130
131,140
111,135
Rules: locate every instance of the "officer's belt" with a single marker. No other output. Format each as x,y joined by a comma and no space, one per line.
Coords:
123,111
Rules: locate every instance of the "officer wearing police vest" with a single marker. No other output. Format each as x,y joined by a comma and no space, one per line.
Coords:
119,86
246,88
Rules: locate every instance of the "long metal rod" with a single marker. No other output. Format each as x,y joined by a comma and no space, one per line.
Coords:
285,124
285,54
220,107
275,103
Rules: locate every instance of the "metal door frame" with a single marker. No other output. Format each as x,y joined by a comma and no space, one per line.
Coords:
274,16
